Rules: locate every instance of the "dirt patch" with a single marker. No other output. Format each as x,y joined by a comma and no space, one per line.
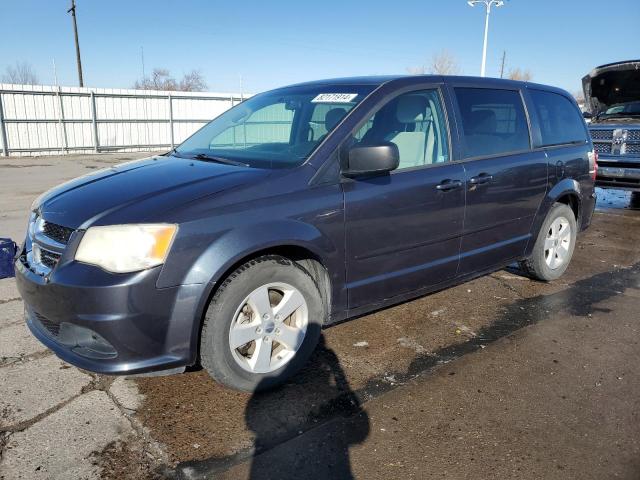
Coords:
123,461
193,416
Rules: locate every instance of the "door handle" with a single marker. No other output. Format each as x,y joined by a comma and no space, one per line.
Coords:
480,179
447,185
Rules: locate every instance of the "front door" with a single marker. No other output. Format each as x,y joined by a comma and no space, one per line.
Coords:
403,229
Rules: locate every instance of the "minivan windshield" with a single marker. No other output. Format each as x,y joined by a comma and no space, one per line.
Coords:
276,129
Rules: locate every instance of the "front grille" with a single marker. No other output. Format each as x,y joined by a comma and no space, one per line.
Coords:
602,148
616,141
49,259
57,232
633,135
633,149
601,134
50,326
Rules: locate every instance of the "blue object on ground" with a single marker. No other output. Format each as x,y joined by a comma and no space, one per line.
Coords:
7,254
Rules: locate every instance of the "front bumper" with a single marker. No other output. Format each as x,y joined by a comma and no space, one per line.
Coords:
112,323
614,173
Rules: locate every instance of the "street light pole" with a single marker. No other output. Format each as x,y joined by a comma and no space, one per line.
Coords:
488,4
75,33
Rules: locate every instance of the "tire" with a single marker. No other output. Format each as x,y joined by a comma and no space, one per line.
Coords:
553,249
247,307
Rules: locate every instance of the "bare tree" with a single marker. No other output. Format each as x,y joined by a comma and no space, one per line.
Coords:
444,63
21,73
193,82
519,74
161,79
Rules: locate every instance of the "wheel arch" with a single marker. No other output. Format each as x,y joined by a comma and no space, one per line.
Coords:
568,192
310,250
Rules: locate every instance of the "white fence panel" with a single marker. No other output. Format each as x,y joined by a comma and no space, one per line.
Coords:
46,120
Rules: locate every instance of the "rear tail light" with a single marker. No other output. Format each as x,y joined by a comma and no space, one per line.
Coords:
593,164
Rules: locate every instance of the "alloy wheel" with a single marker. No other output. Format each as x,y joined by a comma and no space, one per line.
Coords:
557,243
268,328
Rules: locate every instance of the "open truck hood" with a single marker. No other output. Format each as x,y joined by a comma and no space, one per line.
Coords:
612,84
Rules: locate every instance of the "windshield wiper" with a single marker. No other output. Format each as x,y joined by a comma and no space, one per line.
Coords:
212,158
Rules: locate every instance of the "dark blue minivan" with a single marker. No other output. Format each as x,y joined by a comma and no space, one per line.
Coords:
302,207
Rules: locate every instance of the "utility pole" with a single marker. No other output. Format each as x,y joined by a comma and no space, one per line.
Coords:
75,33
504,55
487,4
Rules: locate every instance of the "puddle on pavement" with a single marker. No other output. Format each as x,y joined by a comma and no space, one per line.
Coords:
617,199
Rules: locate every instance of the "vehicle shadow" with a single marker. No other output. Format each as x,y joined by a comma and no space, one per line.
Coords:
323,452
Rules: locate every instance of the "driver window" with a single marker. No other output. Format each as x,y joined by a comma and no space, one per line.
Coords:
413,121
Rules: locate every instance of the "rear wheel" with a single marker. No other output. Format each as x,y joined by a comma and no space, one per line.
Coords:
554,246
262,324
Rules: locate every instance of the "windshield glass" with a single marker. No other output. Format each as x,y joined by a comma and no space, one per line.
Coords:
277,129
631,108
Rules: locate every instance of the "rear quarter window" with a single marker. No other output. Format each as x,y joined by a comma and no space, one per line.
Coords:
493,121
560,120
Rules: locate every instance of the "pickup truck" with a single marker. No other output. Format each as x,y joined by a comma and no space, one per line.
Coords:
612,93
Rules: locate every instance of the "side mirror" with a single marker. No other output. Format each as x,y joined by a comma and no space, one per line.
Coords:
371,160
587,115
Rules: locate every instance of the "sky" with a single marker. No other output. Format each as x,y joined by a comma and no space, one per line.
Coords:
276,43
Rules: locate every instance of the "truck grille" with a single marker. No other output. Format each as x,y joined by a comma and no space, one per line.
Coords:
616,142
633,149
601,134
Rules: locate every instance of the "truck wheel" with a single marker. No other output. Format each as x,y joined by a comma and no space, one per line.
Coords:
262,324
554,246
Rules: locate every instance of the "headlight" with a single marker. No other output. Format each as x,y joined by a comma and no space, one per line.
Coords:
126,248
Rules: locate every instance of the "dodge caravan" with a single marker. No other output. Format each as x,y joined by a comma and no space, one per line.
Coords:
299,208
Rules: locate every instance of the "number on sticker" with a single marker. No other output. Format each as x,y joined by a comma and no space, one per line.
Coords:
334,98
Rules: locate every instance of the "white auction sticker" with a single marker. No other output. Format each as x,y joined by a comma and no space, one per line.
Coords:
334,98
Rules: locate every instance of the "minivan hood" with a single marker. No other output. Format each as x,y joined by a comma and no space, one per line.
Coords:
142,188
612,84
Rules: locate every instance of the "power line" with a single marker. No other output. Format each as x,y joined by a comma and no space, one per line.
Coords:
75,33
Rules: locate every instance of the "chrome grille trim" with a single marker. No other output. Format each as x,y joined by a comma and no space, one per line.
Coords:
47,243
616,141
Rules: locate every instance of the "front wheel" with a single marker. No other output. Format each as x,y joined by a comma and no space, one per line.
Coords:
262,324
554,246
